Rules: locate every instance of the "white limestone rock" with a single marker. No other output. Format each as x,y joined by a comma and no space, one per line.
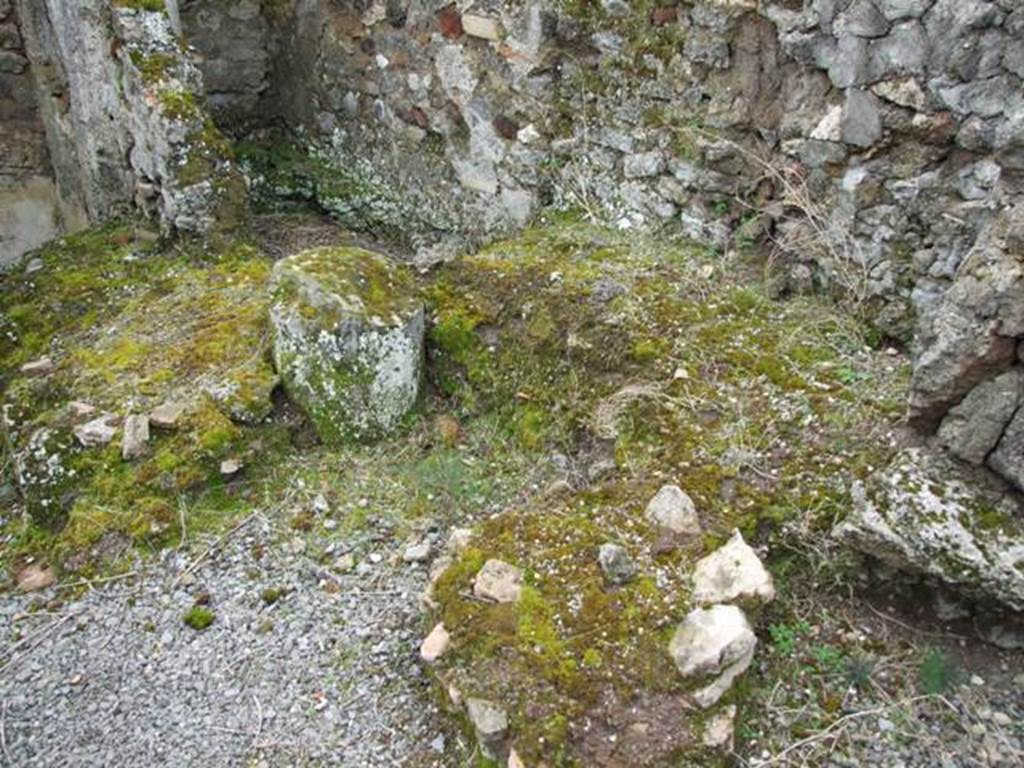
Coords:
732,573
483,27
135,438
498,581
435,644
490,723
348,340
98,432
713,644
719,729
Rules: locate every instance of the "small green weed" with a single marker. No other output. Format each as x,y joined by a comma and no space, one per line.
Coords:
199,618
938,672
785,636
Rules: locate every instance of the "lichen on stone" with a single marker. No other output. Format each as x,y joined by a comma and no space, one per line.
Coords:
348,340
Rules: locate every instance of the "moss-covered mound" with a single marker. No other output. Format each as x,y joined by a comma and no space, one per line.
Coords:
124,326
597,345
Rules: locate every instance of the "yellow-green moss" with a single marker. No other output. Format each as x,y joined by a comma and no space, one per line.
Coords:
126,322
142,5
199,618
153,67
179,104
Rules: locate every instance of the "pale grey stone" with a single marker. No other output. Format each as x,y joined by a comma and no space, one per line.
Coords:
719,729
616,564
906,93
483,27
98,432
903,51
895,10
922,516
353,366
417,553
1008,457
168,415
717,643
135,437
498,581
41,367
435,644
972,429
673,510
861,120
861,18
643,165
490,723
846,60
733,573
967,334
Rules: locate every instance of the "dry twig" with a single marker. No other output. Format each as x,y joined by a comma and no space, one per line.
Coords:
212,548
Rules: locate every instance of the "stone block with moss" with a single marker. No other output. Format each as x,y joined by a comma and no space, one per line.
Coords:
348,340
924,514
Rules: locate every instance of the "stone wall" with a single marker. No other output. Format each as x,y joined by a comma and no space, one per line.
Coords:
28,200
233,40
113,111
897,122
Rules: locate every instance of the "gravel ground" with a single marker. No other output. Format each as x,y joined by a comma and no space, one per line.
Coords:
327,674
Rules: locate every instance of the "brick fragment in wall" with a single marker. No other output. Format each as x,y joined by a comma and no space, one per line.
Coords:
449,21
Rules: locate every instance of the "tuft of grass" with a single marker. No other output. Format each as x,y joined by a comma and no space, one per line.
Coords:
199,618
271,595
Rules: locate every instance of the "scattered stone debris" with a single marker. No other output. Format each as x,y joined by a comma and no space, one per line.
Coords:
167,415
230,467
498,581
672,509
617,565
481,26
135,437
716,642
719,729
34,577
417,553
434,644
79,410
41,367
732,574
491,725
98,432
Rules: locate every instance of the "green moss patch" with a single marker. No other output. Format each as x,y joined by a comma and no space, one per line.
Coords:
199,618
130,326
369,282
